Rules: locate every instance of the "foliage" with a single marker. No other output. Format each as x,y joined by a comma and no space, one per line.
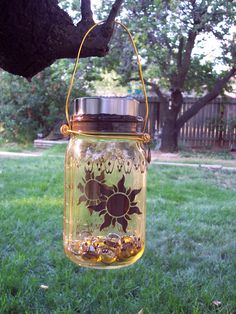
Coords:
189,259
31,108
161,31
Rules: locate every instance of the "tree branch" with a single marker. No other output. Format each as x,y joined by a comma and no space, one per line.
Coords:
180,53
86,12
199,22
200,103
33,36
186,59
157,90
113,13
154,87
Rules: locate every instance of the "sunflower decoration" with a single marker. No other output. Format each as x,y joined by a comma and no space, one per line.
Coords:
91,189
117,204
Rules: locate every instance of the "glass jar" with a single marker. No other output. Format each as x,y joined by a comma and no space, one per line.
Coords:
105,184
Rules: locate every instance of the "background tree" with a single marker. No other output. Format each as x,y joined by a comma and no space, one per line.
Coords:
168,33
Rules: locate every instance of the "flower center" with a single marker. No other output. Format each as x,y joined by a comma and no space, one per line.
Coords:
92,190
118,205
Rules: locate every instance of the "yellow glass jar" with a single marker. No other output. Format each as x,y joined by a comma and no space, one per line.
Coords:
105,186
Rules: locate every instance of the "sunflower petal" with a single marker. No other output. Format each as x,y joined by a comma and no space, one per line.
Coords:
113,222
82,199
104,197
106,190
97,208
107,222
134,210
123,222
90,210
128,191
101,177
87,175
127,217
115,188
80,187
121,186
133,194
102,212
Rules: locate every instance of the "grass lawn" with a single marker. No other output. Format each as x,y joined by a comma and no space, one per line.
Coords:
206,154
189,261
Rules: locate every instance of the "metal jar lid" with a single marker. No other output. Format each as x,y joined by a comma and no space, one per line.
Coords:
106,105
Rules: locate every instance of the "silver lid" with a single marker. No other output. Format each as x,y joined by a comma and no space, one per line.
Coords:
107,105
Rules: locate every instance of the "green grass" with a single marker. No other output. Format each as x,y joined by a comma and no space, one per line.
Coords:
14,147
200,162
56,149
189,260
206,154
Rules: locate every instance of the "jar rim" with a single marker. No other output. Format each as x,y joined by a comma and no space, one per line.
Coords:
107,123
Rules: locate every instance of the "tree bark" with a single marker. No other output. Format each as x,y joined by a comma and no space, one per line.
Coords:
169,139
170,110
34,33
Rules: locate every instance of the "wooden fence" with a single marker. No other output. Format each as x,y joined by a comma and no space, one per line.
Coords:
213,125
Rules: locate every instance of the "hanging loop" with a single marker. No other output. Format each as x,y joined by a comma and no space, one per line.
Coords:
67,130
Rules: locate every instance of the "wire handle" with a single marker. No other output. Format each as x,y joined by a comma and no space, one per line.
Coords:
66,129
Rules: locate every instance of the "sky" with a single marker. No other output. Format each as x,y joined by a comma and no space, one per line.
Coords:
94,4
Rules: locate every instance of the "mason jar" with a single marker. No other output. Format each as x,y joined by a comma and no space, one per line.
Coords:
105,184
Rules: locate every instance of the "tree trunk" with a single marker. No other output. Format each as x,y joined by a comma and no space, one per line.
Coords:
169,139
170,109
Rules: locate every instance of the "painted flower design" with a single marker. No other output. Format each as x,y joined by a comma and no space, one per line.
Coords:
117,204
91,189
